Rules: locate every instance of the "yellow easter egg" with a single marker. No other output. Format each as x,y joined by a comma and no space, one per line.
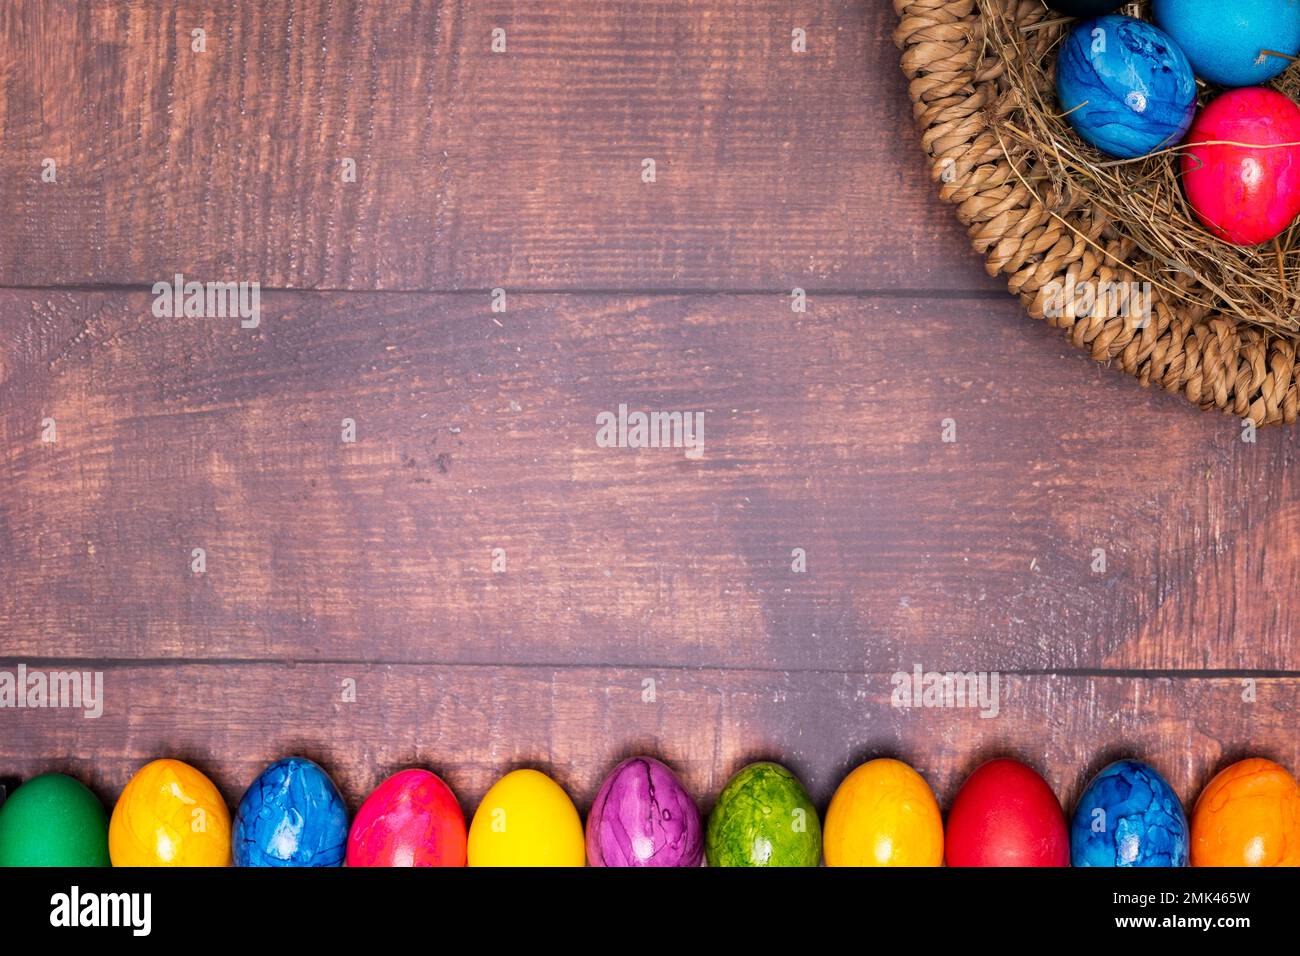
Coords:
169,815
883,814
526,819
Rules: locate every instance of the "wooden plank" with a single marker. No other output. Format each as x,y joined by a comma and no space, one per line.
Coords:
476,431
474,170
471,724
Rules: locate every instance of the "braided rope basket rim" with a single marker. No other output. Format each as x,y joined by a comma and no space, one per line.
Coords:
958,88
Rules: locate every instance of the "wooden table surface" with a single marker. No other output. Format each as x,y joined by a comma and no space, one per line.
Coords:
330,562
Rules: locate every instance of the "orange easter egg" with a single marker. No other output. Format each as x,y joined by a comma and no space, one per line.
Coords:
1248,815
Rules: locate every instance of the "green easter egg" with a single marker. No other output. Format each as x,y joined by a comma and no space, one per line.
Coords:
53,820
763,817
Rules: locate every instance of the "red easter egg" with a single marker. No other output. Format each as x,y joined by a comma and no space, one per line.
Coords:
1006,815
411,819
1245,194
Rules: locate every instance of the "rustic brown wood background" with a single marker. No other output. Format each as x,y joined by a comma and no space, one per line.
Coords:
371,561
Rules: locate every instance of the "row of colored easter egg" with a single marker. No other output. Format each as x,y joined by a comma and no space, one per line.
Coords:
883,814
1129,88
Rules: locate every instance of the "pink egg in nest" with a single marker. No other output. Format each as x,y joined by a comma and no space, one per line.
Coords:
1246,194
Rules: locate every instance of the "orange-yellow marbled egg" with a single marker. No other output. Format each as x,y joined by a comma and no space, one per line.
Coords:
883,814
1248,815
169,815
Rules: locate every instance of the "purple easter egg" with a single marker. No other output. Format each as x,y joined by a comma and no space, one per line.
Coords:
644,817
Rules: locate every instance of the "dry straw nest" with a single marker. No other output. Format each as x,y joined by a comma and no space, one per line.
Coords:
1051,213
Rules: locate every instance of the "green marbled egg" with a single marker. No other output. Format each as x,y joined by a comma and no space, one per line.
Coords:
763,817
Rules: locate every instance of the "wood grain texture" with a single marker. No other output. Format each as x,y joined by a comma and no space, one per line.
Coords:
476,431
472,724
474,170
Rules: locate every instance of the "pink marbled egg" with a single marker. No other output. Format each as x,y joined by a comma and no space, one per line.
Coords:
1245,194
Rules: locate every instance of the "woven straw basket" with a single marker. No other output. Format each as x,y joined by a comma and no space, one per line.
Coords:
959,92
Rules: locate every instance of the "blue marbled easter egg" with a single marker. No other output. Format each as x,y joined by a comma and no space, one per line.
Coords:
1125,86
1129,816
1225,39
292,815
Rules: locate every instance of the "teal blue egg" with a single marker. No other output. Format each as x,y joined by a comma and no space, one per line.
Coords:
1225,40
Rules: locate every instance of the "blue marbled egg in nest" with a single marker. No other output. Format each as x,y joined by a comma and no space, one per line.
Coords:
1125,86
